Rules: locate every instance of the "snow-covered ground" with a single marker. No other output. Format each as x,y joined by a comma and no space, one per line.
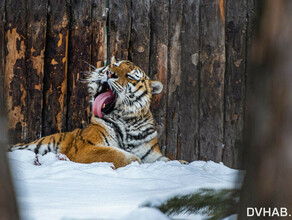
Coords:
59,189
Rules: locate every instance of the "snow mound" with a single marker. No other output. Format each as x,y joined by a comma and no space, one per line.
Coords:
60,189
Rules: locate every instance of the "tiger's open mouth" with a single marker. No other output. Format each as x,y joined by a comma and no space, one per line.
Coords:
104,101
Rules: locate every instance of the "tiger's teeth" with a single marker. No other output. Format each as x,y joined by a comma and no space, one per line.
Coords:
103,105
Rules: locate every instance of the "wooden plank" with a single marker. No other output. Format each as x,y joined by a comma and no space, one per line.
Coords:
98,23
212,58
79,51
119,27
174,78
15,71
56,62
140,34
234,90
158,69
2,53
35,48
188,93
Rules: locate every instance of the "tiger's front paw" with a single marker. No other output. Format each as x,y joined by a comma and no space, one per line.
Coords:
134,158
62,157
183,162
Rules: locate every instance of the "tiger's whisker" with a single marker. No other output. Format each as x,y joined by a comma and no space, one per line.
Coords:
89,65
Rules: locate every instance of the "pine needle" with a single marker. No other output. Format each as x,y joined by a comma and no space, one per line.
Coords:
217,204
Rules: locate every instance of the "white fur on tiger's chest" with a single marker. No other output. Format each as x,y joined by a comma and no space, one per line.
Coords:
112,139
133,137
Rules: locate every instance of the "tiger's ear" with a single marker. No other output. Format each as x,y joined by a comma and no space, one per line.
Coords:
114,59
156,87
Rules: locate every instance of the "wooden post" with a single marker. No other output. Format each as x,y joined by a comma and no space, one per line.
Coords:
188,92
56,71
140,34
35,49
159,15
79,51
212,58
98,23
174,78
15,70
119,28
234,91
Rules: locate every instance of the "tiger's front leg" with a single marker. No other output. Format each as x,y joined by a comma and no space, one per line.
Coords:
89,154
152,153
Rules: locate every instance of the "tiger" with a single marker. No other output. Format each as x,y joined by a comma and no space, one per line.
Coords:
122,128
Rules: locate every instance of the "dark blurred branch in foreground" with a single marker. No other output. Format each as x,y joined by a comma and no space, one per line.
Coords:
8,207
214,204
269,134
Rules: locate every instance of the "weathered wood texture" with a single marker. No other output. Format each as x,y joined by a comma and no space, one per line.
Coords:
35,48
158,68
79,51
15,70
119,27
56,68
211,100
188,92
197,49
98,23
234,81
174,77
139,46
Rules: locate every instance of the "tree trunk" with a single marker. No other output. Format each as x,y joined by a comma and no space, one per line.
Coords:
56,71
8,207
269,140
212,58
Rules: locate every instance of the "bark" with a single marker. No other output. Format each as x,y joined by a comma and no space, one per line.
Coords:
212,58
56,71
174,78
269,155
158,67
35,50
119,27
188,92
79,51
15,70
235,81
98,23
139,47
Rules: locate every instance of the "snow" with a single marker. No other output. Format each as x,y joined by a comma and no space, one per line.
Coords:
60,189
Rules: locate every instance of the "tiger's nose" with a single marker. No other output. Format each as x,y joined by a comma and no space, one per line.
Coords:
111,74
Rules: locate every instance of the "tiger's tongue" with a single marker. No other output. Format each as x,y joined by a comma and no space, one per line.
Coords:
102,100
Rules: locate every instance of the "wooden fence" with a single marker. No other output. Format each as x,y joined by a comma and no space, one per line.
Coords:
196,48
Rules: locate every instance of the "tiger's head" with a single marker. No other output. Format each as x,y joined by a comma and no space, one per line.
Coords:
121,86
